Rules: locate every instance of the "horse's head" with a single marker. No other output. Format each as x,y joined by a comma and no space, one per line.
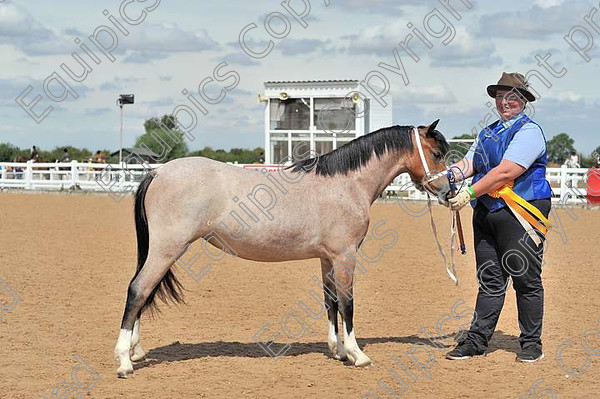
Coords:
427,169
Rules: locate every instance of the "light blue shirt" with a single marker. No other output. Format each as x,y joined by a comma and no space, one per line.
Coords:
527,145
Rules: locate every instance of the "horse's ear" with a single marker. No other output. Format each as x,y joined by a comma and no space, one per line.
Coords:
431,127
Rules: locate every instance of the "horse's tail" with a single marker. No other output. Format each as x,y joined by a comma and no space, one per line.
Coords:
169,287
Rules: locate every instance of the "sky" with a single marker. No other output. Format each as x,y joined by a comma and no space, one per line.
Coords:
180,43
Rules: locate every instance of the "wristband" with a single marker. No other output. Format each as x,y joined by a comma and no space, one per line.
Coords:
472,192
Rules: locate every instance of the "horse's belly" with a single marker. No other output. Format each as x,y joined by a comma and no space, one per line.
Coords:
264,247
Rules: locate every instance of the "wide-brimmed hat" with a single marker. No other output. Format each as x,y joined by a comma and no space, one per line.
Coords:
510,81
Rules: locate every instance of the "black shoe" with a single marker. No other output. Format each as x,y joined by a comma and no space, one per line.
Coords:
530,354
464,350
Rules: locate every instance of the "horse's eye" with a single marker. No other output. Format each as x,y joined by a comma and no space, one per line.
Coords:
437,155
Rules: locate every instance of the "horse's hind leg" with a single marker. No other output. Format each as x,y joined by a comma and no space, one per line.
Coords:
136,352
154,269
333,338
344,279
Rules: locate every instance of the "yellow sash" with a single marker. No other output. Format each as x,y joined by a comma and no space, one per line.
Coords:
521,207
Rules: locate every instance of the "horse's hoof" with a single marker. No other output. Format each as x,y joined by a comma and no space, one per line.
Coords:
137,354
341,354
363,362
138,357
125,373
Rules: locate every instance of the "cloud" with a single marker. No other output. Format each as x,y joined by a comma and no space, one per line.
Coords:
158,41
16,23
161,102
119,83
165,78
378,39
465,50
388,7
20,29
534,23
11,88
547,3
287,47
238,91
438,94
143,57
148,42
238,59
568,95
168,38
97,111
291,47
530,58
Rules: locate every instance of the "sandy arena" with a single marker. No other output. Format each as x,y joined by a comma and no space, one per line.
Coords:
70,258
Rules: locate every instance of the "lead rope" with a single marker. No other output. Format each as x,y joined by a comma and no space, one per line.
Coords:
451,272
453,248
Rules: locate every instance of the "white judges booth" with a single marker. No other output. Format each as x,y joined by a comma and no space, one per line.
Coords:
323,115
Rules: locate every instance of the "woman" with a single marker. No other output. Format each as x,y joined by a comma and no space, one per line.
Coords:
508,238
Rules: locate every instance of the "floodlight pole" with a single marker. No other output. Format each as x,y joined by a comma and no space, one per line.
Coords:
122,100
121,138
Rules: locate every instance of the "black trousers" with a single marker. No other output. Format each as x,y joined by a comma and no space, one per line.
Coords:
503,249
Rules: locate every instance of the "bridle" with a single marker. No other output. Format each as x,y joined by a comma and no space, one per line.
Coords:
452,269
424,161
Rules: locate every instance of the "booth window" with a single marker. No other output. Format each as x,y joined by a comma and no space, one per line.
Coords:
323,143
300,146
291,114
335,114
279,147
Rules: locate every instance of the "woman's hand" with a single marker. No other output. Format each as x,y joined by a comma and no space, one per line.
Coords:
460,200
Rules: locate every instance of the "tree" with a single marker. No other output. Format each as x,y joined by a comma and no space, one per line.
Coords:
460,149
76,154
559,148
592,160
163,136
240,155
8,152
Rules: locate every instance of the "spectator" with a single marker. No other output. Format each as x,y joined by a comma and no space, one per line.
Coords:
65,156
35,156
18,170
573,161
64,171
100,157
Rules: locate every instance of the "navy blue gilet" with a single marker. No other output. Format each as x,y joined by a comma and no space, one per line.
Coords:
531,185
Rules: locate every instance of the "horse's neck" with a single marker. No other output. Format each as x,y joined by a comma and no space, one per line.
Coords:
378,173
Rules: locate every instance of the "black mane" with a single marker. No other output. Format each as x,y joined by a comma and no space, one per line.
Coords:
358,152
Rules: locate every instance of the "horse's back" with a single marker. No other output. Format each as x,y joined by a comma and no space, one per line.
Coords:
280,221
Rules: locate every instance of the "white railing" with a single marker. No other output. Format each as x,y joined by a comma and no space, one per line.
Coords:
74,175
568,184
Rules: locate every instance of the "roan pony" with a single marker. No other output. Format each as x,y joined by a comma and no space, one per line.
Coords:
323,213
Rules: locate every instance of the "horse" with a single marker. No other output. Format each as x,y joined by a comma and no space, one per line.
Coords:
317,208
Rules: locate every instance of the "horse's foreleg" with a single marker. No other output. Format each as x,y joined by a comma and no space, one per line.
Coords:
333,338
344,279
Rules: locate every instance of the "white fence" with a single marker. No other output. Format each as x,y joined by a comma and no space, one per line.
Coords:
74,175
568,184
